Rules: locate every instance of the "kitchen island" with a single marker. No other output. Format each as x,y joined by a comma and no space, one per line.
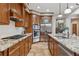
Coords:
16,47
59,46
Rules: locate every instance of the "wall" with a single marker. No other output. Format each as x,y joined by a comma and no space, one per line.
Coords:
9,30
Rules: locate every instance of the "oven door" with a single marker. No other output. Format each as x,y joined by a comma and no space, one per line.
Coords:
36,33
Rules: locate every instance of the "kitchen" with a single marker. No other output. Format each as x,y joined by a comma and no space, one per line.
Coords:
24,27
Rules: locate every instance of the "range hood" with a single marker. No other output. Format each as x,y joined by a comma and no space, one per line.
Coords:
15,19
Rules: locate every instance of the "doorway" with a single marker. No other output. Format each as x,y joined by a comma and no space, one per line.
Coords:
74,29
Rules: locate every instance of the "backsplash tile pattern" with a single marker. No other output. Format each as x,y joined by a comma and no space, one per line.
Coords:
9,30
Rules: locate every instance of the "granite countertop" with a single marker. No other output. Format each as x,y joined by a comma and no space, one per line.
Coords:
70,43
10,42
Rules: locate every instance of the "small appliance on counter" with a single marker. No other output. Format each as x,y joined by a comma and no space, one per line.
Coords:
36,32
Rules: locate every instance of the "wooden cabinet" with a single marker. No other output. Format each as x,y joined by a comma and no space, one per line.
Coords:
4,13
26,19
14,50
20,10
16,10
26,46
3,53
53,47
56,49
30,23
21,48
30,42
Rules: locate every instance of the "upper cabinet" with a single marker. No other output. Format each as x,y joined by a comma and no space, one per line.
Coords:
26,19
16,11
45,19
36,19
4,13
30,23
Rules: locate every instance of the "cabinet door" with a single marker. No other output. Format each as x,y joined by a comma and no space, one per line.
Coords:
49,43
27,46
30,41
12,5
1,54
14,52
56,49
22,48
26,19
19,9
4,13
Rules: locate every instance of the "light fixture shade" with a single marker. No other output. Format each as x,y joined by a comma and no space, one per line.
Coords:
67,11
60,15
60,21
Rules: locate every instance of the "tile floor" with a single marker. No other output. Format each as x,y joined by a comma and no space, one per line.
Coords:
39,49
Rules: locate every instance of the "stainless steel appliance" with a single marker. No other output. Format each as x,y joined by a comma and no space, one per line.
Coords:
36,32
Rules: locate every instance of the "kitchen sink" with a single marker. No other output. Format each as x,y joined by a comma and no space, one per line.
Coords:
14,37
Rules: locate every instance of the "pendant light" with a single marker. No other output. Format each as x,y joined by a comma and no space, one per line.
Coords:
60,15
68,10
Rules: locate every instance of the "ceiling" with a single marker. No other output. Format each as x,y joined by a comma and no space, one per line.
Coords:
50,7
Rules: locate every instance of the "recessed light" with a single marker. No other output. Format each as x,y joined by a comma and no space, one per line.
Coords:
38,7
47,10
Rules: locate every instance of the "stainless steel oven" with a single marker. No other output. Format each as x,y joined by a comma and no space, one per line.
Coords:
36,32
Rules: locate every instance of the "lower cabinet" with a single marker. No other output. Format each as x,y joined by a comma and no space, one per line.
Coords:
27,46
53,47
14,52
3,53
57,49
21,48
30,42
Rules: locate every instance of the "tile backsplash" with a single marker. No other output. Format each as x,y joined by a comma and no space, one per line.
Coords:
9,30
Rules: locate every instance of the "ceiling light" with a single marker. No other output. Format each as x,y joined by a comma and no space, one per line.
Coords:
60,15
71,7
38,7
68,10
47,10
